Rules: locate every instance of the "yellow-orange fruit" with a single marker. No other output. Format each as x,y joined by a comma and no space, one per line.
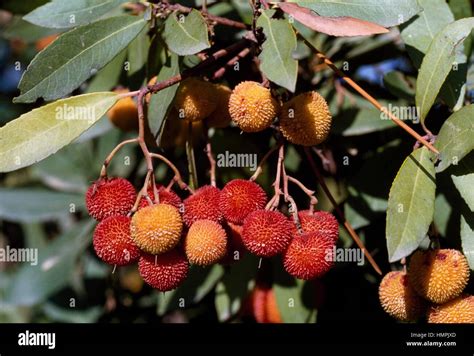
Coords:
157,228
205,243
438,275
195,99
124,113
44,42
399,299
305,120
220,117
459,310
252,107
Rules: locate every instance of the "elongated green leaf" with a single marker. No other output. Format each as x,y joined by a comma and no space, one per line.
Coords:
55,264
384,12
43,131
438,62
108,77
359,122
277,61
19,28
75,56
454,140
421,31
186,35
160,103
467,238
199,283
138,52
67,13
29,205
410,204
465,186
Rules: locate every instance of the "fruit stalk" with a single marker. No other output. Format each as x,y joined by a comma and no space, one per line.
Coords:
339,213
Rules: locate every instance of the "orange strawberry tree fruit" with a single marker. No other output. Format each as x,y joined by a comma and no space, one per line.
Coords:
211,156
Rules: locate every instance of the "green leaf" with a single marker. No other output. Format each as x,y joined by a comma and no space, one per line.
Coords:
400,85
75,56
465,186
467,238
235,286
108,77
138,52
419,32
276,58
33,204
198,284
410,204
384,12
160,102
355,122
67,13
43,131
454,140
438,62
186,35
28,32
32,284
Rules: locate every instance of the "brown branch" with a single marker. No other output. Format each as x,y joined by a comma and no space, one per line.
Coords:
339,213
288,198
212,163
177,176
259,169
275,201
313,201
103,171
367,96
221,71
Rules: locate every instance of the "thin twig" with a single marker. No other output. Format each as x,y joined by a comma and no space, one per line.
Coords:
259,169
313,201
338,211
177,176
231,63
103,171
212,163
289,199
275,201
367,96
193,180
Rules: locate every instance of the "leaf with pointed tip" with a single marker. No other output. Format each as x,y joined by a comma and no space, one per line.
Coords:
438,62
410,204
277,61
43,131
67,13
186,35
75,56
465,185
386,13
334,26
454,140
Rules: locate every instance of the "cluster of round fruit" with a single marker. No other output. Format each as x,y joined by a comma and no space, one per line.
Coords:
304,120
432,287
210,226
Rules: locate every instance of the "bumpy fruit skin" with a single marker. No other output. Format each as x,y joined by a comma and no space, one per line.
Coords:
157,229
165,196
113,243
398,298
205,243
195,99
305,120
252,107
202,205
321,221
438,275
264,305
266,233
164,272
220,117
109,197
124,114
235,246
309,255
239,198
459,310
